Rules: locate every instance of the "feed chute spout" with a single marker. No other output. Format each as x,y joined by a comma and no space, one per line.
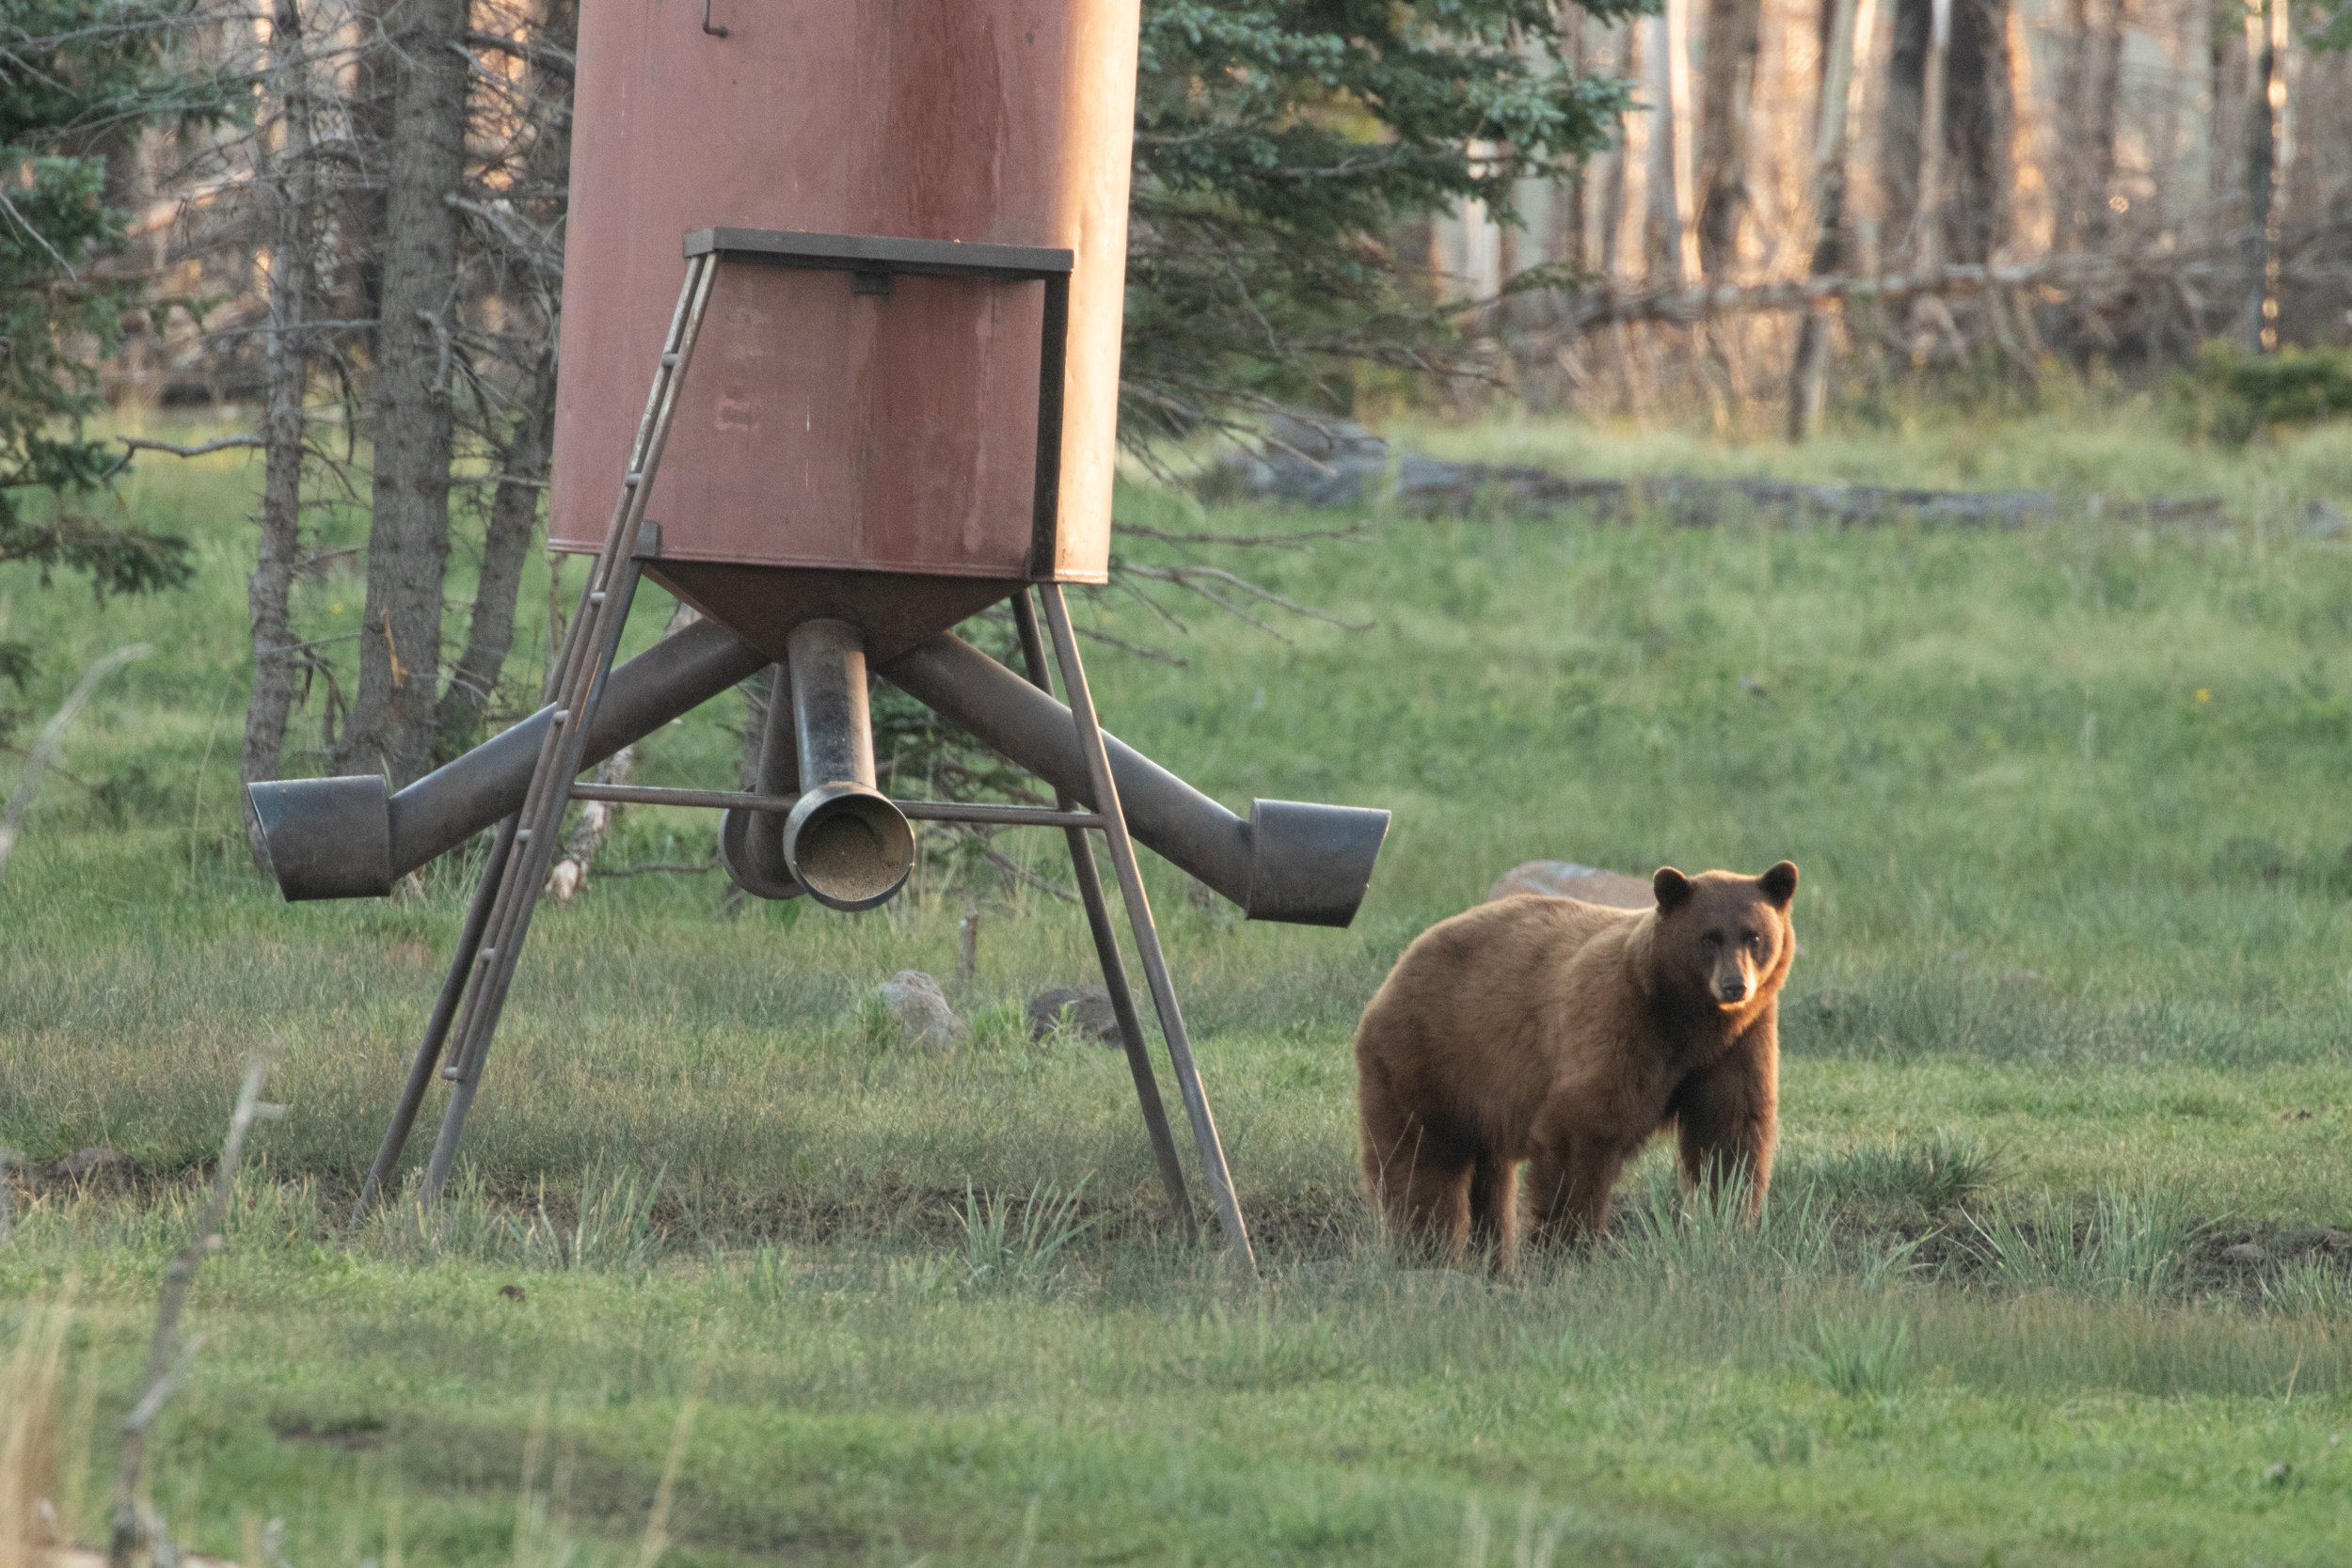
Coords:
353,838
844,842
1292,861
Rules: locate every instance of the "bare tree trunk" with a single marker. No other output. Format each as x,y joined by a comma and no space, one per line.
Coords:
2225,128
270,589
2074,96
372,80
1979,111
400,642
505,549
1808,383
1732,42
2265,100
525,440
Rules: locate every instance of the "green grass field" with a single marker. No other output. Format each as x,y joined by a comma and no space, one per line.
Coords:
732,1277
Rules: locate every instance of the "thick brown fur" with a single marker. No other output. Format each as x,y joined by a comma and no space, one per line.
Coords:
1567,1035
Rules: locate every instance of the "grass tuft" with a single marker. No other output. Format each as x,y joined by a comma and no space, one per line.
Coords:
1861,1358
2135,1242
1026,1245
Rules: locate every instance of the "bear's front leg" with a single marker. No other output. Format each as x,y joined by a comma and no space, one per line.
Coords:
1569,1180
1728,1119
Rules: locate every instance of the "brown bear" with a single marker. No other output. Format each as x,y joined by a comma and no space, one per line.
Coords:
1565,1035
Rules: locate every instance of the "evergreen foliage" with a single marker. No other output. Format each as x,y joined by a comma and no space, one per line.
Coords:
76,76
1280,143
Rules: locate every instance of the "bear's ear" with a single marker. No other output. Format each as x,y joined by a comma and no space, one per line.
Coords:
1671,887
1780,883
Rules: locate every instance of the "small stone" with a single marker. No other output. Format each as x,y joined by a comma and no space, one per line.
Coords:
2244,1255
2325,520
2275,1474
1086,1010
86,1162
1567,879
920,1007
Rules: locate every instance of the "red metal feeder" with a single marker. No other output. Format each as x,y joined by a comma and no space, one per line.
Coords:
885,398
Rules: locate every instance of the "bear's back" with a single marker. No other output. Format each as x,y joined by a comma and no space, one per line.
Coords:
1473,1014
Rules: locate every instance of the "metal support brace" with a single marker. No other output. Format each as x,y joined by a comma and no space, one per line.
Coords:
1089,879
1123,848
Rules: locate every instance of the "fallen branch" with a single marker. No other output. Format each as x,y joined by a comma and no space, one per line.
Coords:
140,443
52,736
1355,466
569,874
1248,541
1592,309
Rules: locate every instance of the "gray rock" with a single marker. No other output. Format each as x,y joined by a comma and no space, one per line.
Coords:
2325,520
86,1162
2246,1254
1084,1009
1567,879
920,1007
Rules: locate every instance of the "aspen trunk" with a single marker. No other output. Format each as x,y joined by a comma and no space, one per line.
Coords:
1925,246
1681,207
2266,98
1808,382
1630,231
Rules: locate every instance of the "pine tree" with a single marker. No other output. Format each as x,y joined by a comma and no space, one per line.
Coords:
1278,145
75,76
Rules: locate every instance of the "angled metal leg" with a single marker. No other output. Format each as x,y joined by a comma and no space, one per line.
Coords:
588,659
1090,879
1147,935
461,966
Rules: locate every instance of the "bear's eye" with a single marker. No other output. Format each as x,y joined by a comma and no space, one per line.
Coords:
1712,939
1756,940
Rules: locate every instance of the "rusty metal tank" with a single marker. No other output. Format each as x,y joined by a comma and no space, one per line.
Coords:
846,445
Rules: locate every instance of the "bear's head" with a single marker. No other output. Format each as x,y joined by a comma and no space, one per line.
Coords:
1726,936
